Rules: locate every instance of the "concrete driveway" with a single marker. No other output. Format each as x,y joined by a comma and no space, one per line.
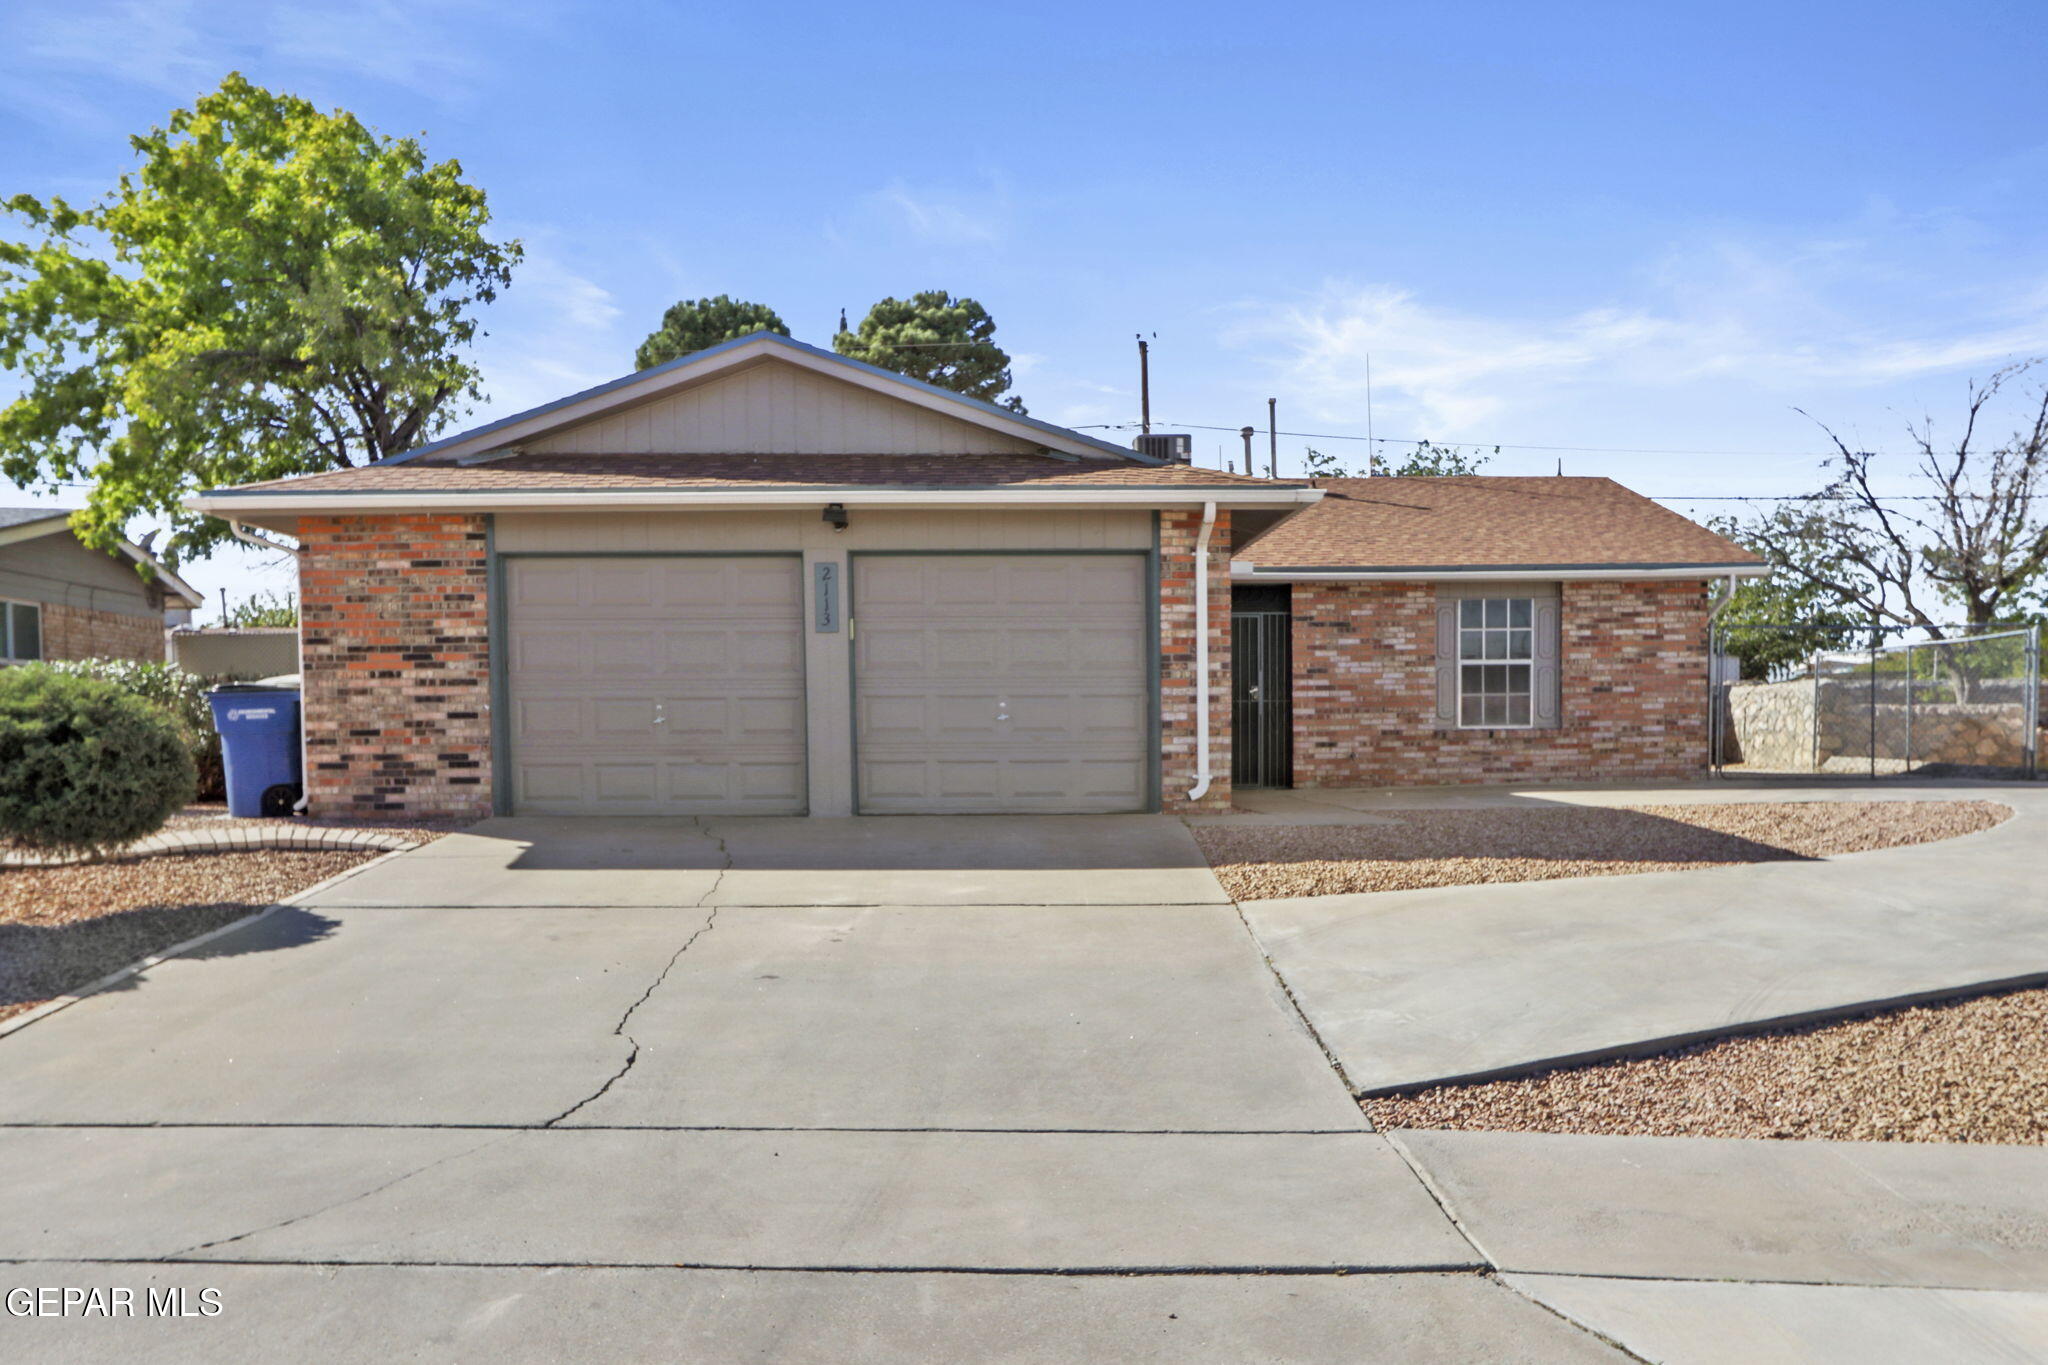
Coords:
757,1089
893,1090
1451,983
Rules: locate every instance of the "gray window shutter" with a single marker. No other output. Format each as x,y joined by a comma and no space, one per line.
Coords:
1548,631
1447,662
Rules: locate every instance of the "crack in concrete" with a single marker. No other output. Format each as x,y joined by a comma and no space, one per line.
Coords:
619,1029
1414,1168
1603,1338
329,1208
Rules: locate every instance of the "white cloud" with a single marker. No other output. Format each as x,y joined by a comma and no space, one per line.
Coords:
419,45
56,60
937,217
554,332
1728,316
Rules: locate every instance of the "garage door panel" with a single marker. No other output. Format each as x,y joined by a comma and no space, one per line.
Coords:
1001,683
656,686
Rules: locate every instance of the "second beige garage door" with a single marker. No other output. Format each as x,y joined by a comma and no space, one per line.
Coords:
656,684
1001,684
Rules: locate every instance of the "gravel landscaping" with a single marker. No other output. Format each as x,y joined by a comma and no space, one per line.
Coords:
1969,1071
61,927
1519,844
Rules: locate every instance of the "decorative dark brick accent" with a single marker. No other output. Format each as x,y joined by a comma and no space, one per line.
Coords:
1632,671
396,634
1178,532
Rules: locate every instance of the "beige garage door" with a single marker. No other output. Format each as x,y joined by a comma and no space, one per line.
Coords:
657,685
1001,683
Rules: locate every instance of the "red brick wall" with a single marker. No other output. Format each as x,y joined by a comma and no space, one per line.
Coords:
77,633
1632,676
395,621
1177,535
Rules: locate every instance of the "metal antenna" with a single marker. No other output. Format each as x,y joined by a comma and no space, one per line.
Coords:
1272,438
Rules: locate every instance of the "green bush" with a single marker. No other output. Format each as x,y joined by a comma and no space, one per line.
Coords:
181,694
85,766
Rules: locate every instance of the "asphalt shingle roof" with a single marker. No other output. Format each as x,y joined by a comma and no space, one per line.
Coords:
571,473
22,516
1486,521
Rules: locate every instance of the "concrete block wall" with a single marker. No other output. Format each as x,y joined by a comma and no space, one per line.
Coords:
395,620
1632,664
1178,533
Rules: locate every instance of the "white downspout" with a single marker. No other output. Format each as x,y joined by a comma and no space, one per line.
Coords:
248,537
1201,787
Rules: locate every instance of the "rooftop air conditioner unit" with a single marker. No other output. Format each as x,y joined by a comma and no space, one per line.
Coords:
1172,447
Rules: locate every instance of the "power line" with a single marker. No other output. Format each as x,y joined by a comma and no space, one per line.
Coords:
1502,445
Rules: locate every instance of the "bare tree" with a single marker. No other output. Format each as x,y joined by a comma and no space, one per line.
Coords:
1970,535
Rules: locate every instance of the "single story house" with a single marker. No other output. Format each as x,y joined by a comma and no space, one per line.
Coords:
1474,629
764,578
60,599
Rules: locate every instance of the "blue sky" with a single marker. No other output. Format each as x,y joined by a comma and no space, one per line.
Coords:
1625,228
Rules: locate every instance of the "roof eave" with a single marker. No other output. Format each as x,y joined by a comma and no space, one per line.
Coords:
241,502
1242,571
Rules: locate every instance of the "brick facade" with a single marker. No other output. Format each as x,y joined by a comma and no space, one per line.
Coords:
78,633
1632,673
395,621
1178,532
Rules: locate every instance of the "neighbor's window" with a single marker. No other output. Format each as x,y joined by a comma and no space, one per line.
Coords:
1496,645
21,632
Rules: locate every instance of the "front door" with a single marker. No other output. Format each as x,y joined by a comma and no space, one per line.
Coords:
1261,686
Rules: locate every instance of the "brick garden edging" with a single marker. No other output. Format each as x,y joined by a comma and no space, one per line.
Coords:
240,839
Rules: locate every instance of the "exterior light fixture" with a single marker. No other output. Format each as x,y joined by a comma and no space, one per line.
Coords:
835,516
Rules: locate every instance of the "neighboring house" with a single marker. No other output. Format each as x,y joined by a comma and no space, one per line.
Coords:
236,651
768,579
61,600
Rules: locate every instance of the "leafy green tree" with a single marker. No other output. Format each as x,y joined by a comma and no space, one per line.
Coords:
1426,460
694,324
260,609
1778,622
273,290
937,338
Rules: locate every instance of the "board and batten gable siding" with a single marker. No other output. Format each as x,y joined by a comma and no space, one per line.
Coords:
775,409
56,569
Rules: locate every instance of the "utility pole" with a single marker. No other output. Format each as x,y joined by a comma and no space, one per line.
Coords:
1272,438
1247,434
1144,386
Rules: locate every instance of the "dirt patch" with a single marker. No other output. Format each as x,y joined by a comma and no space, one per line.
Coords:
61,927
1970,1071
1471,847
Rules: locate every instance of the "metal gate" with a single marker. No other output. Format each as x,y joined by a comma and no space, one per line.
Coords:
1838,700
1261,698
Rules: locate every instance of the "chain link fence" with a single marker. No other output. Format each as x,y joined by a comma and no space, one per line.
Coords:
1842,701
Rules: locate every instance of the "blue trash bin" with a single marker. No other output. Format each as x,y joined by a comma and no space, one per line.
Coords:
259,742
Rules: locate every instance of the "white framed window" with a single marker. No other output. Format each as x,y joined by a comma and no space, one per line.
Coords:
21,632
1496,663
